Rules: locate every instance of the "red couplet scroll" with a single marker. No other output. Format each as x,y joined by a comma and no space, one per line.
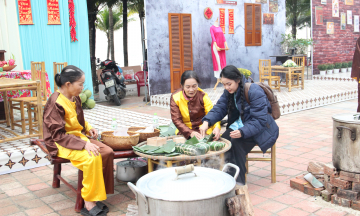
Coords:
222,19
25,14
53,12
231,21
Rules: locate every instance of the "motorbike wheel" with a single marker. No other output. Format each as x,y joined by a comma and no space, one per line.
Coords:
116,100
121,93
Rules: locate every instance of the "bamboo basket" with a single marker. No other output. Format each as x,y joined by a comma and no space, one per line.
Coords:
145,136
120,142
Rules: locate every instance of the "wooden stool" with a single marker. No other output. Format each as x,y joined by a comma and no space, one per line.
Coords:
272,159
57,161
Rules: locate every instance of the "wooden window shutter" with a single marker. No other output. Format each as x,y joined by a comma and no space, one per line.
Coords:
180,45
175,50
186,42
253,24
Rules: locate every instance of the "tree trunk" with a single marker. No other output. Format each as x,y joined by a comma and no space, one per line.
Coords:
141,15
108,49
111,32
125,32
92,42
294,24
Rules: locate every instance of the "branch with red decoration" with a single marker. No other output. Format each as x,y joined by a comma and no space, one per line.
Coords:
72,21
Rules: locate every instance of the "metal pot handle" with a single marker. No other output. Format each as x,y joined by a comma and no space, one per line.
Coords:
233,166
353,133
138,193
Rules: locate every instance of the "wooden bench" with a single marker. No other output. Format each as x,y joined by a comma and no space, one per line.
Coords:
57,161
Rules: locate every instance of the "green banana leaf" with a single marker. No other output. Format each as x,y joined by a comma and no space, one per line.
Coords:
192,141
211,138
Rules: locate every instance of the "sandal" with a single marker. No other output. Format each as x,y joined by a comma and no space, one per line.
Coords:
102,206
96,211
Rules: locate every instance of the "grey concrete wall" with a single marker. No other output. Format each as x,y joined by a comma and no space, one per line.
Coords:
157,31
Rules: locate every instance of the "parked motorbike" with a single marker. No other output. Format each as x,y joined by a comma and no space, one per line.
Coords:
115,88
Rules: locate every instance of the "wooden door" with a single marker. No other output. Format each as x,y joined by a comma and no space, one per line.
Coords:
180,45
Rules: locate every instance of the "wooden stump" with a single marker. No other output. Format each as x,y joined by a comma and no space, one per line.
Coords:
240,204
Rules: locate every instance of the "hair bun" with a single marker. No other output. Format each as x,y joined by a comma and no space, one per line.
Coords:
58,80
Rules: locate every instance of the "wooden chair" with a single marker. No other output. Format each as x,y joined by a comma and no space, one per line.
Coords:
57,161
272,159
300,61
265,74
57,69
19,103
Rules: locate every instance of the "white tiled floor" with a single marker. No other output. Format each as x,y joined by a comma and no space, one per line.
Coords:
316,93
19,155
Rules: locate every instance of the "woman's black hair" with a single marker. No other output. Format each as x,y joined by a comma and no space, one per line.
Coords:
232,73
188,75
70,74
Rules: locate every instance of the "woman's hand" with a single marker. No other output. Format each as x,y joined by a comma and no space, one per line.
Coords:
93,132
204,127
235,134
196,134
216,132
90,147
217,48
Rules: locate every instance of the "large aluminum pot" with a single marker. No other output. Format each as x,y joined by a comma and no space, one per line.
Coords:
130,170
346,144
201,192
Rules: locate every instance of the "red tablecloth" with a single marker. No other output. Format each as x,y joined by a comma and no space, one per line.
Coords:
25,75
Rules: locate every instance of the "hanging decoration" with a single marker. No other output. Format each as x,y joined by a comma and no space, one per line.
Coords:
335,8
261,1
72,21
268,18
349,2
319,15
25,14
53,12
273,6
343,21
231,21
222,19
356,23
323,2
330,28
232,2
208,13
349,17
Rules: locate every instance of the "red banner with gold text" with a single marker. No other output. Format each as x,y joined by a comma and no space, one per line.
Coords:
25,15
222,19
231,21
53,12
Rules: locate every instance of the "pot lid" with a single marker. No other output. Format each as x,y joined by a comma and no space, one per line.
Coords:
207,183
351,118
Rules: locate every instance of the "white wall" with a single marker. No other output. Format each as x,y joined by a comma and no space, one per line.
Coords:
9,32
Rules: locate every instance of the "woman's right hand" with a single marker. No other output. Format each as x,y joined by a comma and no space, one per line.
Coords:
196,134
204,127
90,147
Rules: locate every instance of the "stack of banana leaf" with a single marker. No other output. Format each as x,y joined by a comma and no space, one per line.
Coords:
191,147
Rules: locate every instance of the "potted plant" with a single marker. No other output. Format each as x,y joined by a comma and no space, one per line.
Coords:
349,66
337,67
322,68
330,68
344,67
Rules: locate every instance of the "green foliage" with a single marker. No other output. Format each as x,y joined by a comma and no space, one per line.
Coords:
344,65
288,42
330,66
337,65
298,14
349,64
322,67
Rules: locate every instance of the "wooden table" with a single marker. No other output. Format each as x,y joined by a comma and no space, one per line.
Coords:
288,70
7,84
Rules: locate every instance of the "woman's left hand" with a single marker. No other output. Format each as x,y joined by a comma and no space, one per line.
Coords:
93,132
235,134
216,132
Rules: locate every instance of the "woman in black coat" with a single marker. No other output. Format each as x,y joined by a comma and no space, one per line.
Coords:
248,124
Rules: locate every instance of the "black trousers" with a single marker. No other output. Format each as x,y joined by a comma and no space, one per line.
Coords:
240,147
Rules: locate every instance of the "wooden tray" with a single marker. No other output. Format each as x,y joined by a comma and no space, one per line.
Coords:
186,157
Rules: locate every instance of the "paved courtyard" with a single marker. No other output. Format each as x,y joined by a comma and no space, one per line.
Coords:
304,136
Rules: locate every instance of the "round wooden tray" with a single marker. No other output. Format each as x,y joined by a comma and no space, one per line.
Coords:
186,157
